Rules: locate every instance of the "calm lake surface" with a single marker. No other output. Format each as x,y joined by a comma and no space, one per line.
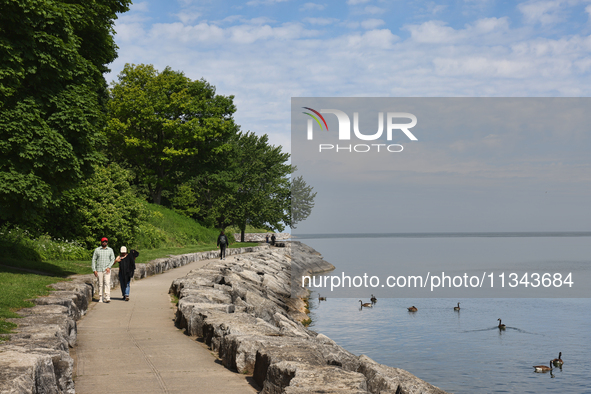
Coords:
465,352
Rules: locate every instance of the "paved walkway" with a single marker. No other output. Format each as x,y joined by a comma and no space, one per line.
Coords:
134,347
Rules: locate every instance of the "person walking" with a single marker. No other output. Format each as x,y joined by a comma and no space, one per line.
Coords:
103,259
222,243
267,238
126,270
273,238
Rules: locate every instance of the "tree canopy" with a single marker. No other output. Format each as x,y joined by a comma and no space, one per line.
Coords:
302,200
166,127
261,197
52,58
250,186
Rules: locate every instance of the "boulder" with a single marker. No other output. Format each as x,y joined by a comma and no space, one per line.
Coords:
313,352
297,378
384,379
35,371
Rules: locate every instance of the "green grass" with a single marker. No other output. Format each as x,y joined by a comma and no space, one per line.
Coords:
167,228
60,268
16,287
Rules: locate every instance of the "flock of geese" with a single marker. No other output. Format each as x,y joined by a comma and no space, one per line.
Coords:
557,362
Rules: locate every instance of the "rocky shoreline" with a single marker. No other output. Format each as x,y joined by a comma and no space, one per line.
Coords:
249,311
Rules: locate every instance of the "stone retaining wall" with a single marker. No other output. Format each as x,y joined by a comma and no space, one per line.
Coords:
243,310
260,237
36,359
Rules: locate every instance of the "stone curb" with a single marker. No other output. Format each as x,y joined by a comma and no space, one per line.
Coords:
36,359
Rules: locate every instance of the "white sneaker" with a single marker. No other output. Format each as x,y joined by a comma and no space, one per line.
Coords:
100,300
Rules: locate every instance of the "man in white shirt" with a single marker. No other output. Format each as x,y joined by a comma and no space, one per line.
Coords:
103,259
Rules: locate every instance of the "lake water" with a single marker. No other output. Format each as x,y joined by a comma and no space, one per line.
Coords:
465,352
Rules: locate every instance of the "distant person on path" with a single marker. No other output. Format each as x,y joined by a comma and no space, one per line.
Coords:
267,238
103,259
273,238
126,270
222,243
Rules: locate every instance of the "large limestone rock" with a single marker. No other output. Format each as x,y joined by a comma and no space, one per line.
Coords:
35,371
298,378
384,379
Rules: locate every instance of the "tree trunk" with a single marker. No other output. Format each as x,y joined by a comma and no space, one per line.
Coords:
157,195
242,230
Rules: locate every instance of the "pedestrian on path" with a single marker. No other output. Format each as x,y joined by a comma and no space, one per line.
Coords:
126,270
103,259
273,238
222,243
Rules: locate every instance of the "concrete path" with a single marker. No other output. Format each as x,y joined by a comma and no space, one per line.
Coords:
134,347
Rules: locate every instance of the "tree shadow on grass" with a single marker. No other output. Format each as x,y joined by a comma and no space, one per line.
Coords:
36,267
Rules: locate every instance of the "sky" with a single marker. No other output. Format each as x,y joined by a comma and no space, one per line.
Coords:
264,52
477,165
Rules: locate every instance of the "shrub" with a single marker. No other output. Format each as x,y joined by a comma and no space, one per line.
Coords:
19,244
104,205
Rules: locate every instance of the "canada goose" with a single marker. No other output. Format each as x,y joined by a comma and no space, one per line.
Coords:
321,298
373,299
366,305
457,308
501,326
412,309
543,368
558,361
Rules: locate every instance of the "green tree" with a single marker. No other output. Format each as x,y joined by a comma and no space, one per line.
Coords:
302,200
262,186
184,200
166,127
103,205
52,58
